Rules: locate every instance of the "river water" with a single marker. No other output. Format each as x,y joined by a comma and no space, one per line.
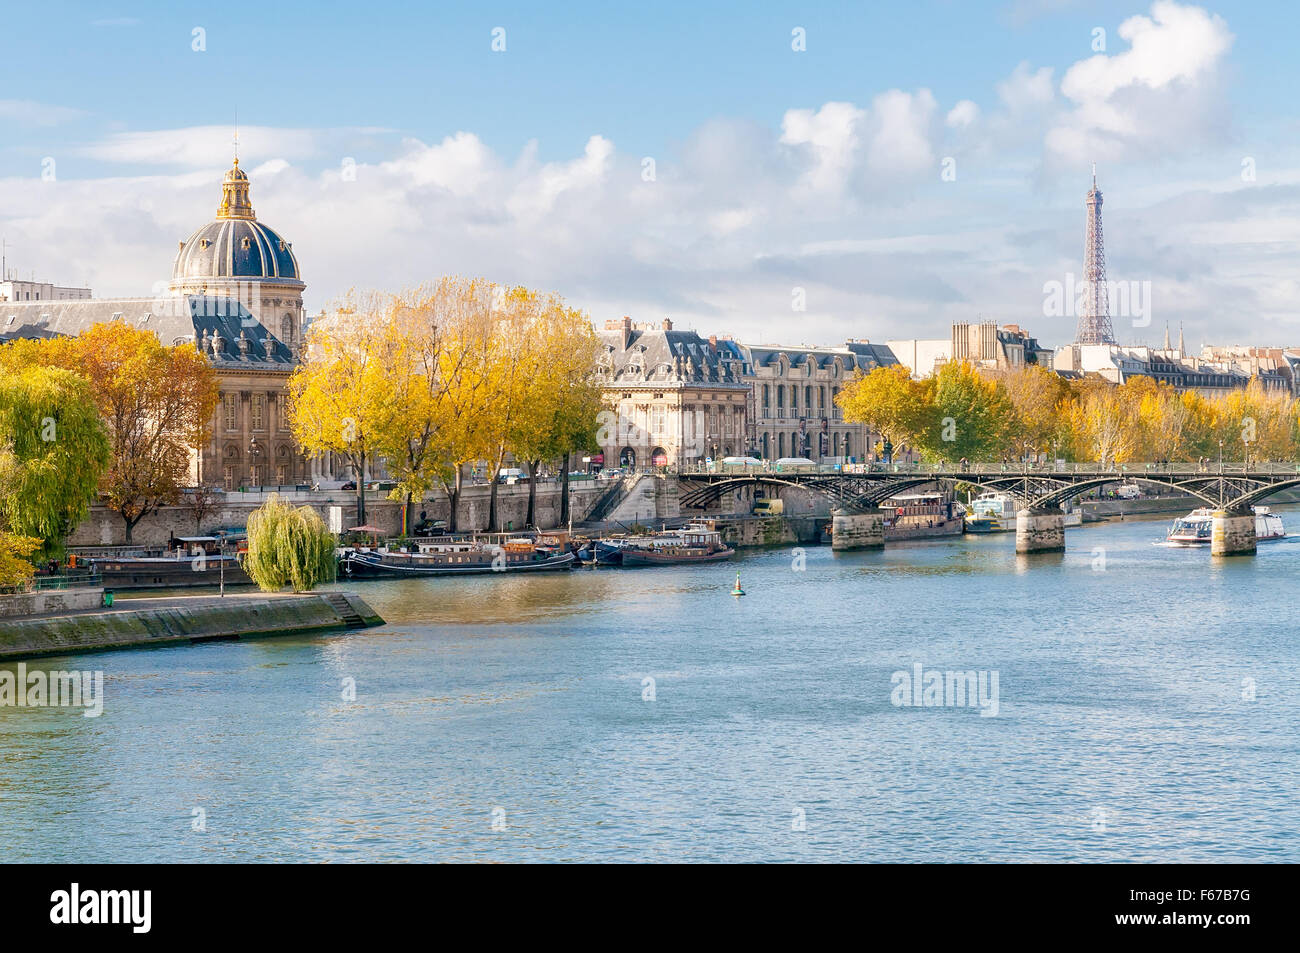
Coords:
1147,707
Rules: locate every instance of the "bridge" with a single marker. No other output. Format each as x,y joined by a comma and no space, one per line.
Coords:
856,491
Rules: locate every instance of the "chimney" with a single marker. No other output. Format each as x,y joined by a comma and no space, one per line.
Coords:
668,324
713,342
627,331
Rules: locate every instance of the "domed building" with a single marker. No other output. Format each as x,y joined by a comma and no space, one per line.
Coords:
235,294
236,256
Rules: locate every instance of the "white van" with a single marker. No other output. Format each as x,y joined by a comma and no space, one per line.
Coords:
1128,491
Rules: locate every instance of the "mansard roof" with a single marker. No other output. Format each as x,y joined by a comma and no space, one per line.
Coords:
179,319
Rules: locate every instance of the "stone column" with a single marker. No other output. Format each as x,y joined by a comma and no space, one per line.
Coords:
864,530
1040,530
1233,533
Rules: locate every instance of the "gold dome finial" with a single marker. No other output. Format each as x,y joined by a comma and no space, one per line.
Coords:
235,201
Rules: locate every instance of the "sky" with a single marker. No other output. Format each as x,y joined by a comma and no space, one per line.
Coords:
781,172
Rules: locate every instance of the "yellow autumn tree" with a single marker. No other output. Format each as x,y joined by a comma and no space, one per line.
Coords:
341,394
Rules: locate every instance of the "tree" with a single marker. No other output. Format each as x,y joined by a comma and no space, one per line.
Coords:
341,395
889,402
1101,424
1035,394
289,545
16,569
55,451
973,414
439,385
156,404
561,399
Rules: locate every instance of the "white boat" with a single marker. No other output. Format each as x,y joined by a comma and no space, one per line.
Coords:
992,512
1197,527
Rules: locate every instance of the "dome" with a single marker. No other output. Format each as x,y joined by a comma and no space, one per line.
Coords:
235,245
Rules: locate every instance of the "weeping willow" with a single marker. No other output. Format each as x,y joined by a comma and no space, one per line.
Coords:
288,545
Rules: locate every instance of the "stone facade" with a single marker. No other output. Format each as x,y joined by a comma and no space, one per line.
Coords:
676,397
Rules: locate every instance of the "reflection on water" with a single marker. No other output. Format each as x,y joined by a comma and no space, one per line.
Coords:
1148,698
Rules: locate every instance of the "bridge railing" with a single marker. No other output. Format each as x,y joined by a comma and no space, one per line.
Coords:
947,470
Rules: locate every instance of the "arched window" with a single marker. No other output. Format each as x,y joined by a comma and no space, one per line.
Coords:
767,398
808,399
847,451
766,449
835,443
780,445
286,329
780,401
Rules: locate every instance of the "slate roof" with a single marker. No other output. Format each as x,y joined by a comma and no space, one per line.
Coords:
175,319
236,248
671,357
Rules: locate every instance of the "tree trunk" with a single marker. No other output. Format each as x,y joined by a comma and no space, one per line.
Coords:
564,493
407,514
453,500
531,519
492,495
360,463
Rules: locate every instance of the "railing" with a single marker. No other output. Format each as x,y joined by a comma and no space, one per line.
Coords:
55,584
956,471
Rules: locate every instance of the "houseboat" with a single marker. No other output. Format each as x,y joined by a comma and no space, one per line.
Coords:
921,515
189,561
1197,527
693,544
454,557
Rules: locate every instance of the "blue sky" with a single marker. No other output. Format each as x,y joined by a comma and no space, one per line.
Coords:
775,169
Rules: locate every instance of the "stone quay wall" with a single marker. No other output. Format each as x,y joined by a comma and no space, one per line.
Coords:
105,528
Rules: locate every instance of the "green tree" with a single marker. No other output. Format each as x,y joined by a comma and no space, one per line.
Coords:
289,545
972,414
55,449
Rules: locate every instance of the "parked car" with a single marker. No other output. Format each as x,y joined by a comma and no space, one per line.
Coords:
350,485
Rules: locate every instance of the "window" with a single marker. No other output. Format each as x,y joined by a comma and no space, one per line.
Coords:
228,477
281,474
257,408
657,419
231,404
767,398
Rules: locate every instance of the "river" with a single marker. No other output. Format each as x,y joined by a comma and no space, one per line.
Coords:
1147,705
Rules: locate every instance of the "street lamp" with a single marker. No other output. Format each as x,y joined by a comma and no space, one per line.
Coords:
254,451
1220,456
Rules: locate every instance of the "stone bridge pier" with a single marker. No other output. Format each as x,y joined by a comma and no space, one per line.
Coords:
1040,529
1232,533
857,529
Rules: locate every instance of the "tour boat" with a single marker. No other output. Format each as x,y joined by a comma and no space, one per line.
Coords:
689,545
992,512
1197,527
454,557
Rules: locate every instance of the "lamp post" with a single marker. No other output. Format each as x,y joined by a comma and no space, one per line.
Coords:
1220,456
254,451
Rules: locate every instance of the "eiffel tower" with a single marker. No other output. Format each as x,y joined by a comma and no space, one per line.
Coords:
1094,314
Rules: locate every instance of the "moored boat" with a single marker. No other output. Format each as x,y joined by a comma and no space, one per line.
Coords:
921,515
1197,527
454,557
689,545
993,512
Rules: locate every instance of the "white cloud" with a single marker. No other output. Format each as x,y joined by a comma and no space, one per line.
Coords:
28,113
1162,91
962,115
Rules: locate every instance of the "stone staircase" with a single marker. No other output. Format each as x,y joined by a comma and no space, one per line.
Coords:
340,604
